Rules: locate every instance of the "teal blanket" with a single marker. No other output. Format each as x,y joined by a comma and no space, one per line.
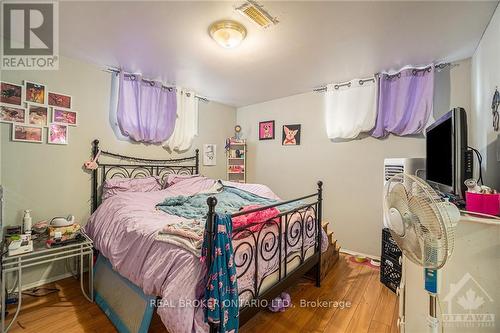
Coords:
229,201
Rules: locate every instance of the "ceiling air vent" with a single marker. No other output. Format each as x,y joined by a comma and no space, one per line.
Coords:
257,14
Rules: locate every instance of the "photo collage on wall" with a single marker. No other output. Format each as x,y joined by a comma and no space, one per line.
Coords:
30,108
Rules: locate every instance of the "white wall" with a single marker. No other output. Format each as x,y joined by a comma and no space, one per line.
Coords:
485,77
351,171
49,178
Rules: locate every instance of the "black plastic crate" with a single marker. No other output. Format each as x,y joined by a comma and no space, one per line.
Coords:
390,274
390,263
389,246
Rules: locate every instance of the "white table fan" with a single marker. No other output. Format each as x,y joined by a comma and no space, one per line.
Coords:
423,225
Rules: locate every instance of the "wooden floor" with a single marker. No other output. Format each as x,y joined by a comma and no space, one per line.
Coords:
373,307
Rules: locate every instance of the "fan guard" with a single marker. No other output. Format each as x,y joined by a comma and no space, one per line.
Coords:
420,221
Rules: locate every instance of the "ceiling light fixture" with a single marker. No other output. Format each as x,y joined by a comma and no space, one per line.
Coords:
227,34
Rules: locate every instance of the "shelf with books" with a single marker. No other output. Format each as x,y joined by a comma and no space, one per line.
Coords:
236,160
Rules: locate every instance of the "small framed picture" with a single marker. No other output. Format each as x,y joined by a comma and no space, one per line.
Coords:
27,133
11,93
60,100
35,93
291,135
12,114
266,130
58,134
210,154
38,115
65,117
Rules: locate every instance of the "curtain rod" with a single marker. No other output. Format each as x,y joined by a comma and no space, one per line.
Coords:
438,68
117,71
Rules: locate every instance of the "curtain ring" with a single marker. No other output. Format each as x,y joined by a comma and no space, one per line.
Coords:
361,82
188,94
429,69
336,87
349,85
152,83
132,77
414,72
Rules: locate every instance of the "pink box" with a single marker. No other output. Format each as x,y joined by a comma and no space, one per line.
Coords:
482,203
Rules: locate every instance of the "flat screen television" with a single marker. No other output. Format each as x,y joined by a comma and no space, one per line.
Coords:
448,161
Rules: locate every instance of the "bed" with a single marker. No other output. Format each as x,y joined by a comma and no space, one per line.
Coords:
269,257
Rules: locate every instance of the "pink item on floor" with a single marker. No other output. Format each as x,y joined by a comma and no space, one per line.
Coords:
281,303
366,263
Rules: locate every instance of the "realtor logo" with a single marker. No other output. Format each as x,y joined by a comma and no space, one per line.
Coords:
467,305
30,35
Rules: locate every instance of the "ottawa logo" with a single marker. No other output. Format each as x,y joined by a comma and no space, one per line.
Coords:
468,305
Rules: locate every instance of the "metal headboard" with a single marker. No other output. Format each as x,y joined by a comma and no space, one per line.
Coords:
135,167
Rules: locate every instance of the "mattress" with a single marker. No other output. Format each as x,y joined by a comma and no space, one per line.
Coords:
124,228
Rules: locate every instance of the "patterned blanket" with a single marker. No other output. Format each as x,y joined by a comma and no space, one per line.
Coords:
188,233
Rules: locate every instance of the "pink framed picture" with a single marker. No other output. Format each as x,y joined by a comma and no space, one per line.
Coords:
58,134
60,100
266,130
65,117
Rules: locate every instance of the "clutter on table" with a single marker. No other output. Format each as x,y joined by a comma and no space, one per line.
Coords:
60,231
20,244
63,231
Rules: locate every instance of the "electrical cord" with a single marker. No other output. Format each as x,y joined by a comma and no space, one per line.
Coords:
480,160
40,291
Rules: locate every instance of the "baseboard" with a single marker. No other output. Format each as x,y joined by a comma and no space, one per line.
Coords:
354,253
48,280
45,281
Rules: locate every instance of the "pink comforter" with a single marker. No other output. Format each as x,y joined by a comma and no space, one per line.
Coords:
124,228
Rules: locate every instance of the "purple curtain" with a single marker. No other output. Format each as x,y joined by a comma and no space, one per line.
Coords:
404,102
146,110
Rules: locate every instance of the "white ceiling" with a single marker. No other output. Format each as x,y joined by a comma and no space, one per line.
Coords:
315,42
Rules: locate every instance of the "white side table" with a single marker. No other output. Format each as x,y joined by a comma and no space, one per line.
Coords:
42,255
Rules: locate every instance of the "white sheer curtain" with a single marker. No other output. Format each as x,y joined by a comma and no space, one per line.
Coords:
351,108
186,125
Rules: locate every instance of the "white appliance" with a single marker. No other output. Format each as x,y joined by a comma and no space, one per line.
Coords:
423,225
62,221
414,166
20,246
392,166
